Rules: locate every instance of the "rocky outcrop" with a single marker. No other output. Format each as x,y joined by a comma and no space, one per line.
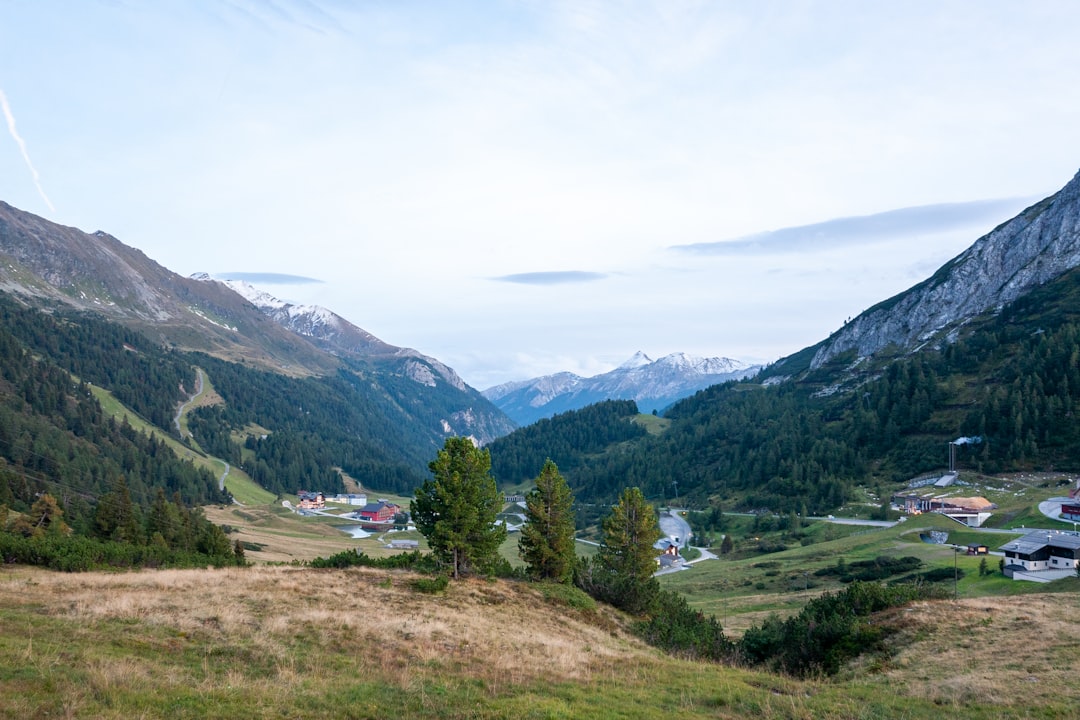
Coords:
1033,248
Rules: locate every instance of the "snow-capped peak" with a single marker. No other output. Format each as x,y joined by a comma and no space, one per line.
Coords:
255,296
639,359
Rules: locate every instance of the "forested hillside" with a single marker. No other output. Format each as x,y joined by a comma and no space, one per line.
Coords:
371,420
568,439
1010,379
78,489
316,425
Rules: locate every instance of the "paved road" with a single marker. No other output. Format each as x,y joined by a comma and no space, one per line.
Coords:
705,555
1052,508
675,527
857,521
183,408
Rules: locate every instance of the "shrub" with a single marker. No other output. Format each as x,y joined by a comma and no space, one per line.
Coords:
355,558
879,568
829,631
431,586
566,595
679,629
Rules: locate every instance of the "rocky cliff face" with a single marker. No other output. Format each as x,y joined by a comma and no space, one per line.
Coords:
1033,248
44,262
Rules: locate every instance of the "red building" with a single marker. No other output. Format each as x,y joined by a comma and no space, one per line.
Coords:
1070,511
380,512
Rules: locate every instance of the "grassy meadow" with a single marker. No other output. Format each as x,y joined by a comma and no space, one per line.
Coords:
279,639
282,641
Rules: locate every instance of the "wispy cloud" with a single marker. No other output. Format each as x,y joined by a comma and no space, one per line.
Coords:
552,278
867,229
22,148
267,278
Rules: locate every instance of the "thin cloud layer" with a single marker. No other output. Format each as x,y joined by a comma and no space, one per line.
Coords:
268,278
10,117
552,278
410,159
909,222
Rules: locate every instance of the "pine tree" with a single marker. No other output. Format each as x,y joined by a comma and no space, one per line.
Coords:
456,509
627,554
547,538
116,517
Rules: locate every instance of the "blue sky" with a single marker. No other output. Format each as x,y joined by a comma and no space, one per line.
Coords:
518,188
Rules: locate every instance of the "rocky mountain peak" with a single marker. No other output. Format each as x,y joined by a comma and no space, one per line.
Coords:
637,360
1033,248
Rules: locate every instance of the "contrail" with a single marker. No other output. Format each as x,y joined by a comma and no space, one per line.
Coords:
22,147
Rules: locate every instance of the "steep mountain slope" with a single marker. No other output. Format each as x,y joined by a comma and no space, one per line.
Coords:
447,402
998,361
338,336
50,265
653,385
1033,248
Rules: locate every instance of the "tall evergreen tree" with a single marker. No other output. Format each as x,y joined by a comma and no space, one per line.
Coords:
456,509
116,517
627,555
547,538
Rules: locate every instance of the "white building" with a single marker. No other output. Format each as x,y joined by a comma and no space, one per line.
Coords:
1043,550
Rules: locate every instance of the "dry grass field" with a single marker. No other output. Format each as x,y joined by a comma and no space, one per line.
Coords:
293,642
985,650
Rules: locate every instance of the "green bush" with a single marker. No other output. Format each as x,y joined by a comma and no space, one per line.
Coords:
879,568
355,558
679,629
829,631
432,585
567,595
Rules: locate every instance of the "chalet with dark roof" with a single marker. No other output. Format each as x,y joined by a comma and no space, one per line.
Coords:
1042,550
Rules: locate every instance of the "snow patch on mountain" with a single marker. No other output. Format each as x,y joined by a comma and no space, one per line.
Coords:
653,384
339,335
636,360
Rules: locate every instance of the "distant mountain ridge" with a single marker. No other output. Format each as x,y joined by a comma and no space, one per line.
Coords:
338,336
987,346
50,265
652,384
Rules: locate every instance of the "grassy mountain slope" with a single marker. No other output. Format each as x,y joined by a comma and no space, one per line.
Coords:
59,269
285,642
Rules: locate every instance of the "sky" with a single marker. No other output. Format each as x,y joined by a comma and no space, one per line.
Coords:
521,188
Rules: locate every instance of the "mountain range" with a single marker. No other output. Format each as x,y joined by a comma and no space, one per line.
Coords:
379,409
986,347
652,384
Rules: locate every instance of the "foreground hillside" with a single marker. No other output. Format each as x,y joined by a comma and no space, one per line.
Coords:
296,642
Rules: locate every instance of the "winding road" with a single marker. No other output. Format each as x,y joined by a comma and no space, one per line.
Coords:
184,407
